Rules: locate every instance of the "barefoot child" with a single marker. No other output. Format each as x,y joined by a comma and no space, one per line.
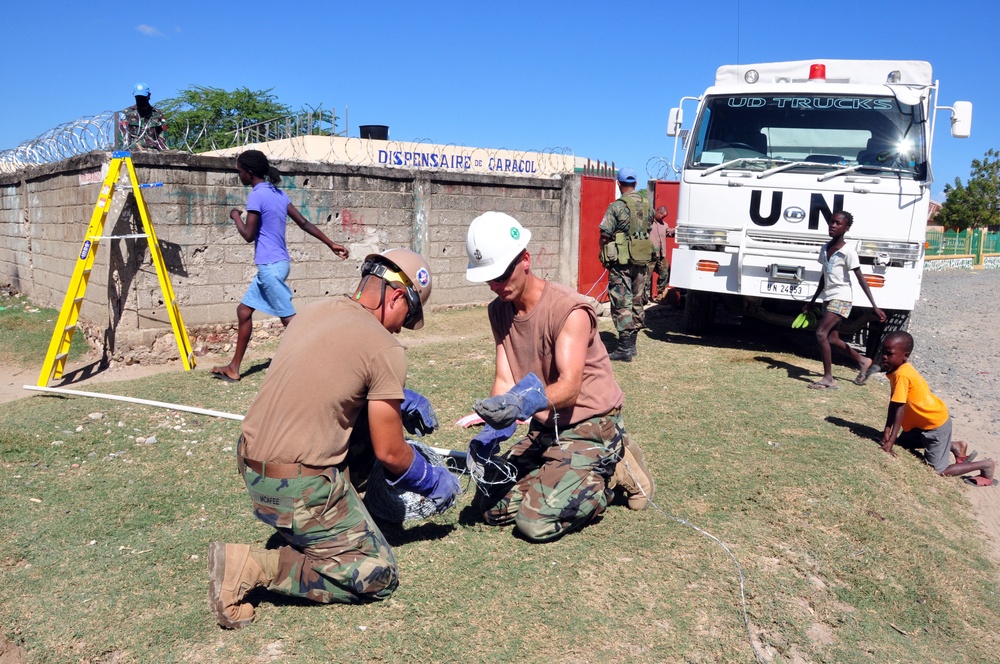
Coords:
268,209
924,417
838,260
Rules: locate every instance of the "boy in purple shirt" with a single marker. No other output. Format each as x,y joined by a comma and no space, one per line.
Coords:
268,209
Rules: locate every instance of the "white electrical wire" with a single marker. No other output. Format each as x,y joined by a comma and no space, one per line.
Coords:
146,402
455,454
739,570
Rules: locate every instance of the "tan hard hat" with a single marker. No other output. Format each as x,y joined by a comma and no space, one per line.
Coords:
418,281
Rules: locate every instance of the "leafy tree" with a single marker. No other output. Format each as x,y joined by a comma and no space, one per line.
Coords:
206,118
977,203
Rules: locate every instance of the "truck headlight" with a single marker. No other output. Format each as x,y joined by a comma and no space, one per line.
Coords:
889,251
711,239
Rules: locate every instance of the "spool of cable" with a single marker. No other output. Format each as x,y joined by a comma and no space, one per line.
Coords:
390,505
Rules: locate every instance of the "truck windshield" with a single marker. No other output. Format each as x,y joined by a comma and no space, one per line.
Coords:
810,132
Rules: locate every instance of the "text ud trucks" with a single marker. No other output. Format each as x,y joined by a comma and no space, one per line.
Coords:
776,149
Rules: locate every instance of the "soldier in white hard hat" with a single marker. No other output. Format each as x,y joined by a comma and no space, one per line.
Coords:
334,392
551,368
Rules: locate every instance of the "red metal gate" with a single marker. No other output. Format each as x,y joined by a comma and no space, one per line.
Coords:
596,194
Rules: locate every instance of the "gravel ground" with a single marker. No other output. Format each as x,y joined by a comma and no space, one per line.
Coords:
956,327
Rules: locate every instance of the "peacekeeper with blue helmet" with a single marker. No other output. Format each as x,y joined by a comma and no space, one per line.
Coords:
626,251
142,126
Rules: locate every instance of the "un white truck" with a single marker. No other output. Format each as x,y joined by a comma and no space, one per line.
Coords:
775,149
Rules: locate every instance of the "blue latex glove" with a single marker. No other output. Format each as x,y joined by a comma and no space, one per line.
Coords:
418,414
487,442
433,482
521,402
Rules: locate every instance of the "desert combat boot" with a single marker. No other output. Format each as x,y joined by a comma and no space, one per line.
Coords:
233,570
632,475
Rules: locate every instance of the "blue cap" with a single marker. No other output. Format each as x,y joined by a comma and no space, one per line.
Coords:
141,90
627,175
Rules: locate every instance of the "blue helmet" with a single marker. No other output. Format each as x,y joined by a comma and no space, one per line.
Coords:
627,175
141,90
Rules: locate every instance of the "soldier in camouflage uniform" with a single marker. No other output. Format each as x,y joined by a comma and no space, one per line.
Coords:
626,252
332,395
551,368
142,126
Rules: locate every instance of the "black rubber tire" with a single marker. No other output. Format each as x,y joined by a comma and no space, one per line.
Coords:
699,310
895,321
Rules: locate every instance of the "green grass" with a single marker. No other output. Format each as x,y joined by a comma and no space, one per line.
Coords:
843,548
26,330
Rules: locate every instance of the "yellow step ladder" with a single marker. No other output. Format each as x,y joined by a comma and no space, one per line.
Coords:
55,358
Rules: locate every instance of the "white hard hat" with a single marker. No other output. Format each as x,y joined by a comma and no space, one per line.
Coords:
493,242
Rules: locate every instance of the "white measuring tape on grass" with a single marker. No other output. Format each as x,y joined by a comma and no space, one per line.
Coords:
188,409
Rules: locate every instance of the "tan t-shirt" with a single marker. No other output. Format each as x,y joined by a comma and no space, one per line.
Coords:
530,341
333,357
658,235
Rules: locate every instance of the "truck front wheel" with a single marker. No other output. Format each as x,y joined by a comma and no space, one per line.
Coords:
699,310
896,321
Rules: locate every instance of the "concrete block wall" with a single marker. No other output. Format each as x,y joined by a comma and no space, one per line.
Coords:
45,211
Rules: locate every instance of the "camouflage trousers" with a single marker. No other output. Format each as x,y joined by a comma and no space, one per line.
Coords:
561,483
626,286
660,267
336,553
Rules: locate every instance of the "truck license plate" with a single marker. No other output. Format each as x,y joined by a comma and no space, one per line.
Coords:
781,288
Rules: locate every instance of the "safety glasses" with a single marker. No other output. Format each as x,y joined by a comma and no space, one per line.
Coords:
388,273
509,272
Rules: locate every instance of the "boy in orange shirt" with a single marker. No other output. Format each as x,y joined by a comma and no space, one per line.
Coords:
923,417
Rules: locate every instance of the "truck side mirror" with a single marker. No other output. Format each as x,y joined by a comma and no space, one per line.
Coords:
675,121
961,119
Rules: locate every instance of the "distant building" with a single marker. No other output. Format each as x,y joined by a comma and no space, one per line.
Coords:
932,211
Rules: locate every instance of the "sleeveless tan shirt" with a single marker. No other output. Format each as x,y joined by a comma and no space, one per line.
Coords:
530,341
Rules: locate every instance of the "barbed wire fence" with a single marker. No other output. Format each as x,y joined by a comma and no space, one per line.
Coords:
661,168
203,138
104,132
96,132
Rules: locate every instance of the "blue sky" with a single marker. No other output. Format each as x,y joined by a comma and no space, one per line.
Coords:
597,78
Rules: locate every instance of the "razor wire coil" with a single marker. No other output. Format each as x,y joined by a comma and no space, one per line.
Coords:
102,132
67,140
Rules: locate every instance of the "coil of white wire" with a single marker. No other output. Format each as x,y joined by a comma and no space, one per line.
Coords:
391,505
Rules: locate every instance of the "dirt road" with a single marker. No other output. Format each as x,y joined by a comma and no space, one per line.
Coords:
956,327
